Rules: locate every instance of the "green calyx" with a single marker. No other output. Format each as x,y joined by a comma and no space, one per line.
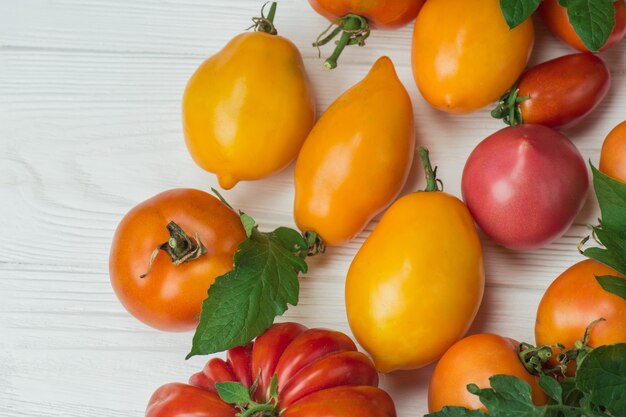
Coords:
265,23
354,30
236,394
508,108
432,182
180,247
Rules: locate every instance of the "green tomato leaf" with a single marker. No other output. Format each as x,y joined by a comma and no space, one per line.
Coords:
614,285
247,222
551,387
593,20
509,396
602,377
243,303
516,12
452,411
611,195
233,393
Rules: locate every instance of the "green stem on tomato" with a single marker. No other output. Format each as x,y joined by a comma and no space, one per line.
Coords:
354,30
266,23
260,409
432,183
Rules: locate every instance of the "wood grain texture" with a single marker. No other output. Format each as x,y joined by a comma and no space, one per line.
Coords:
90,125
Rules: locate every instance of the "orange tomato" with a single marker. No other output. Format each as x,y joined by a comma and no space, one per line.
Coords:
357,157
385,14
416,284
613,156
555,17
464,54
170,296
573,301
248,109
474,360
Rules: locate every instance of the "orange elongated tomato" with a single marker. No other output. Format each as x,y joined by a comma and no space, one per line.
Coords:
464,54
613,156
415,285
473,360
357,157
248,109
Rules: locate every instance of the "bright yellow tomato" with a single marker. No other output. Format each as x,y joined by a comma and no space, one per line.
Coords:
248,109
464,54
415,286
357,157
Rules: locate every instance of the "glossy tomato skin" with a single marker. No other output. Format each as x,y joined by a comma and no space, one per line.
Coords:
170,297
464,54
248,109
320,374
562,91
416,284
473,360
555,17
573,301
524,185
357,157
613,155
182,400
385,14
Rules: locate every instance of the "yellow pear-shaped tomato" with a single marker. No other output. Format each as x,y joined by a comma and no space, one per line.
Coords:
248,109
357,157
464,54
415,286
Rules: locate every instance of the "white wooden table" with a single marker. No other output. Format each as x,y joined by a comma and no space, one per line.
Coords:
90,94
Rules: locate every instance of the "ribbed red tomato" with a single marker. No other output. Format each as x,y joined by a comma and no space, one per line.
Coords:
320,373
524,185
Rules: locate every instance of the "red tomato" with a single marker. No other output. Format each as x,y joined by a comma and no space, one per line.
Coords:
385,14
474,360
555,17
524,185
170,296
320,373
613,156
573,301
560,92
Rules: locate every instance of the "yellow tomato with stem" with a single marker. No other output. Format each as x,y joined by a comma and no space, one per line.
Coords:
415,286
464,54
356,159
248,109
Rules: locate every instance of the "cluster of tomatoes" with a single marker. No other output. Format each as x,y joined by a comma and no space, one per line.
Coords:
249,110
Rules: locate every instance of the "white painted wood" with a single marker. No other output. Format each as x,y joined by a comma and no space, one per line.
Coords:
90,125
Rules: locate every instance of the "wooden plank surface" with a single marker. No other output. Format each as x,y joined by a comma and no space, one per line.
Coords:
90,125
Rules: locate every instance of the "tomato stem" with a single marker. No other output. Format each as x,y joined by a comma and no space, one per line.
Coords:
508,107
354,30
180,247
432,183
260,410
265,23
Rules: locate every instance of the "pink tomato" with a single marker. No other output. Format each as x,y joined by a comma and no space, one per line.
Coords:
524,185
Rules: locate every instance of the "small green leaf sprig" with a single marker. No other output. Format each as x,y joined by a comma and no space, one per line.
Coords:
593,20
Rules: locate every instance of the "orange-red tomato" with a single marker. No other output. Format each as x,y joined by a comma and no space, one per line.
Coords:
555,17
613,156
474,360
319,372
384,14
170,296
573,301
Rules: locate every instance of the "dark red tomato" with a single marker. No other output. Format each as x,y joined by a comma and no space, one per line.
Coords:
524,185
555,17
560,92
320,373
